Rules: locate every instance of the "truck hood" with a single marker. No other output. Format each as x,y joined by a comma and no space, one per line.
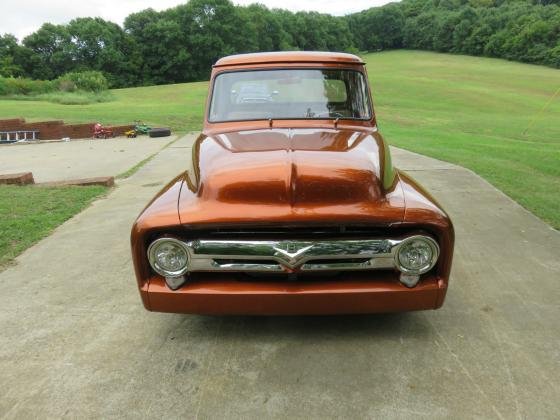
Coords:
288,173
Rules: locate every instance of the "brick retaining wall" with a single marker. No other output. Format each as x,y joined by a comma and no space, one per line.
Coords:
48,130
55,130
13,124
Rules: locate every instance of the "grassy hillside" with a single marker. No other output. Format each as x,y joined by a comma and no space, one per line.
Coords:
473,112
177,106
466,110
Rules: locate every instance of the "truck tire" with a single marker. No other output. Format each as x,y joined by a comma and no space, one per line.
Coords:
159,132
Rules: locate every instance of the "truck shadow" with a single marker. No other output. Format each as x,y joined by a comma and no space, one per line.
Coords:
394,325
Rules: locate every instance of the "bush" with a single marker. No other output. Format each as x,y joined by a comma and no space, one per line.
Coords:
88,81
20,86
553,58
66,86
76,88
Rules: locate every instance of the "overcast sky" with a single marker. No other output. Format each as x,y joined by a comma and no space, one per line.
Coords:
22,17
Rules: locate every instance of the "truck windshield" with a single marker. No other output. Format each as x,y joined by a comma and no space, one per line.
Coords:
289,94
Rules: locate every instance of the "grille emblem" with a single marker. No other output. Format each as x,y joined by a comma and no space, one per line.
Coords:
290,253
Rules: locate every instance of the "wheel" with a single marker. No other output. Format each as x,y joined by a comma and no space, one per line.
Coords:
159,132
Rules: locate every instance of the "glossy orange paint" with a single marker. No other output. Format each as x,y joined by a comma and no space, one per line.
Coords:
357,293
292,173
289,176
288,57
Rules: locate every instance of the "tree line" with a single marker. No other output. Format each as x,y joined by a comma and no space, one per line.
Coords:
180,44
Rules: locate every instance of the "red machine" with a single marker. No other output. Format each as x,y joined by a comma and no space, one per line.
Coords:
100,132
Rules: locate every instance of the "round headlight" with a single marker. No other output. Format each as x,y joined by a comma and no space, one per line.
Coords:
417,255
168,257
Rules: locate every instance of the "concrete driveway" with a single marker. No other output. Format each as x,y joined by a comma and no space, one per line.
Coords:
76,342
61,161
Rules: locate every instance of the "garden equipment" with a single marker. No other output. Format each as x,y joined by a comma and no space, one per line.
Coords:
141,128
130,133
100,132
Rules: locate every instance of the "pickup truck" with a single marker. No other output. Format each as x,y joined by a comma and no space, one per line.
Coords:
290,203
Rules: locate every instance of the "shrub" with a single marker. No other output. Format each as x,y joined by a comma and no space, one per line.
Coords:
66,86
20,86
553,58
76,88
89,81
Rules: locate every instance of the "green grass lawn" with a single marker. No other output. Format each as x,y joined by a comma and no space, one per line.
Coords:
473,112
180,107
27,214
467,110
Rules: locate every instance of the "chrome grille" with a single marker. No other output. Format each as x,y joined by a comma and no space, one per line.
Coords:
291,255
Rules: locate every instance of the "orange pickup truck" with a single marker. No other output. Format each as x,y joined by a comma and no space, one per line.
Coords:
290,204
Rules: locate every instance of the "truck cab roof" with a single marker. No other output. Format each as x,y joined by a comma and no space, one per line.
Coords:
288,57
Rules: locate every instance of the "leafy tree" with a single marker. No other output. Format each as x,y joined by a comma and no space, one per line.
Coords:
8,51
420,32
379,28
445,25
52,46
181,44
215,29
467,21
96,44
265,26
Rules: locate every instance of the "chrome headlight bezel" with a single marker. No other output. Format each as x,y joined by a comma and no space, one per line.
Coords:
154,263
433,260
